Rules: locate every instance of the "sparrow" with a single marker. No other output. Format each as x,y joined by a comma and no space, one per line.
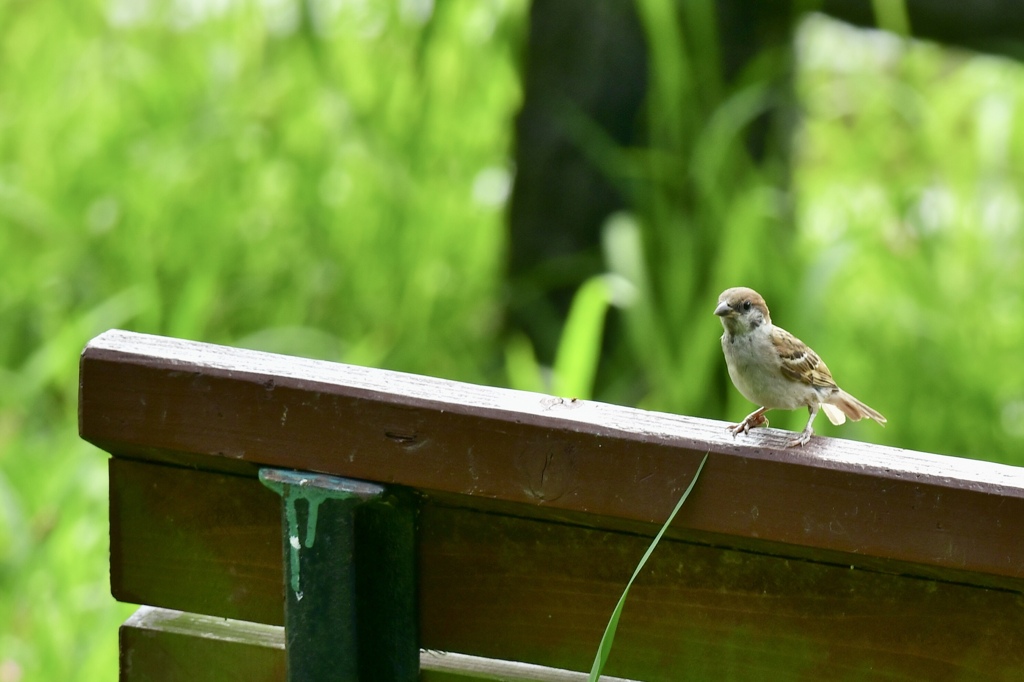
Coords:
774,369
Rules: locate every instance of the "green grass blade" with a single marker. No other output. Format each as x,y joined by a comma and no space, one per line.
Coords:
522,370
605,647
579,349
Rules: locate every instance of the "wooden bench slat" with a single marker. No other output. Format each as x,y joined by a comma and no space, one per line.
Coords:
159,645
208,544
507,587
190,403
163,644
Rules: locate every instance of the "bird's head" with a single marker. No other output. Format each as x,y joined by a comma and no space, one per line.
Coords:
742,310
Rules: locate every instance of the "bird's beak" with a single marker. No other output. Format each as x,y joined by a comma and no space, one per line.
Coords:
723,309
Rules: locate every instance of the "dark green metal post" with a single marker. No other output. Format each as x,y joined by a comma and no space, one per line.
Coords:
349,552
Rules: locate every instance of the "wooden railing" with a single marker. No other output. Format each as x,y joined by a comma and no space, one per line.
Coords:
524,515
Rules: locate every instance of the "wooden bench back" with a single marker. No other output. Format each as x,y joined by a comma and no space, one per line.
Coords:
835,559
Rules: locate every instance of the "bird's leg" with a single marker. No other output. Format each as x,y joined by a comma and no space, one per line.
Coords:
805,435
753,420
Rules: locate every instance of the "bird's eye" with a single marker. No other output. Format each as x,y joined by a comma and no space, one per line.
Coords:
746,305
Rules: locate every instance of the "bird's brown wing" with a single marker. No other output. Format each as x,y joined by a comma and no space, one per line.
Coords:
799,362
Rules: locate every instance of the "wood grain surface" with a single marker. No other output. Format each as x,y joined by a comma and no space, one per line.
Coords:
218,408
501,586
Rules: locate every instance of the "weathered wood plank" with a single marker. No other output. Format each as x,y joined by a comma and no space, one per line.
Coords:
505,587
205,543
443,666
183,402
159,645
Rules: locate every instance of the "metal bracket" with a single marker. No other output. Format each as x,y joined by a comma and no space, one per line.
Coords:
349,550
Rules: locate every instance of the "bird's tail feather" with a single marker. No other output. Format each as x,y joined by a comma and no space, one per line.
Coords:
834,414
850,407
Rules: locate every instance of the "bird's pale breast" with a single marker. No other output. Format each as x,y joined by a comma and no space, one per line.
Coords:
755,369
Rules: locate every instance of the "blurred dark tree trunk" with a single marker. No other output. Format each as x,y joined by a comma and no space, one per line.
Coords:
588,59
583,57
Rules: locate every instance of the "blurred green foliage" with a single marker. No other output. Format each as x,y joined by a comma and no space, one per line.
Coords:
705,215
896,253
908,176
316,178
329,179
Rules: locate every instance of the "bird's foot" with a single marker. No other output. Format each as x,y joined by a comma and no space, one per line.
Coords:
753,421
802,439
